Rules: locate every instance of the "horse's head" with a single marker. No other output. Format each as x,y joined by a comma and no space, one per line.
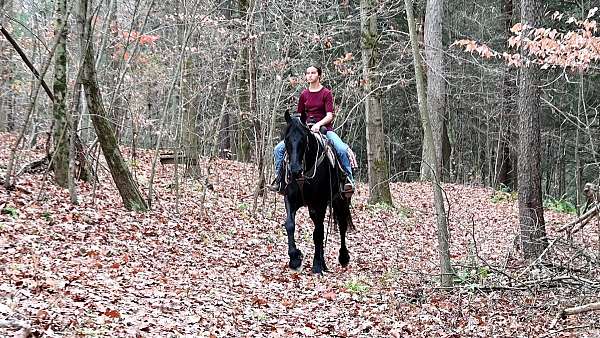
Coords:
296,138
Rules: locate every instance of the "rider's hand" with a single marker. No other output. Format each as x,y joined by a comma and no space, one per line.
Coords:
315,128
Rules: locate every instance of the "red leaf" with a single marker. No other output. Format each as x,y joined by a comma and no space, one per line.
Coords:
329,295
112,313
259,301
148,39
42,314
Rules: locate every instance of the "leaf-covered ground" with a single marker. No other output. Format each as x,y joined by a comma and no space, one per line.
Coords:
211,263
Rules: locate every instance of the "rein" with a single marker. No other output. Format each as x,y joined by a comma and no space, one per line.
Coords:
318,159
311,173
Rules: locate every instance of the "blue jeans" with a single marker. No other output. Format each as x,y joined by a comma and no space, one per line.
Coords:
341,149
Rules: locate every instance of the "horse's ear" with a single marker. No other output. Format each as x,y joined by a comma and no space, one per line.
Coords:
288,117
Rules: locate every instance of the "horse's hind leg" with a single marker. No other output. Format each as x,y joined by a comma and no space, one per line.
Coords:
290,228
318,215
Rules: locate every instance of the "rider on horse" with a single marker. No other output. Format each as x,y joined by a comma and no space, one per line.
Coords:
316,105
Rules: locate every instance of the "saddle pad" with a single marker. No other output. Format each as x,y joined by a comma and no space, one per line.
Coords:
324,141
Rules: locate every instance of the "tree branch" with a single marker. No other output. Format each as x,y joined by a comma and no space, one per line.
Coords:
27,62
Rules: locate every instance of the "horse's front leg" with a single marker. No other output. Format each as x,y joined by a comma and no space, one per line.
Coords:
341,210
290,227
318,215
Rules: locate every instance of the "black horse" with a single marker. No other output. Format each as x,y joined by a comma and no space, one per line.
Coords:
310,180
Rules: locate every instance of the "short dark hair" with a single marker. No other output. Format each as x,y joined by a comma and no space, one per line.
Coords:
319,71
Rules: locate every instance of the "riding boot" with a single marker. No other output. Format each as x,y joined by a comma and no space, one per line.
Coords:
348,188
276,185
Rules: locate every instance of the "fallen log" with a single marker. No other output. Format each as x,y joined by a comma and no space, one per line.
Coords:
31,166
171,158
584,219
573,311
580,309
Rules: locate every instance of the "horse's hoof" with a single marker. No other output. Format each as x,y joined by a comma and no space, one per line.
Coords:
296,265
344,258
296,261
319,267
297,269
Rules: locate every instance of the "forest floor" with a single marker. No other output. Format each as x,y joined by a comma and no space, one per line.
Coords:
218,267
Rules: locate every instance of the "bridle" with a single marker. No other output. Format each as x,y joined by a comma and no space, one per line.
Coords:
306,175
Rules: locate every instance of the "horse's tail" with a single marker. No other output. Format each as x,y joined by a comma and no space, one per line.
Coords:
342,215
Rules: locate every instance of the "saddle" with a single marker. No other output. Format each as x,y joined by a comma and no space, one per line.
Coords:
328,148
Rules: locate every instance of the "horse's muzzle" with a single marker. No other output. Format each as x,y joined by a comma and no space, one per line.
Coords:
297,172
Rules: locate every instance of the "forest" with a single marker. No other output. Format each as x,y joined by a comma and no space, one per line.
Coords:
136,159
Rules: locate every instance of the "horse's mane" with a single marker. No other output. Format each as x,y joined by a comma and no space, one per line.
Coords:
296,122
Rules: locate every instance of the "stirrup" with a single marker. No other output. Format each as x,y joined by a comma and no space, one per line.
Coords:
276,186
348,189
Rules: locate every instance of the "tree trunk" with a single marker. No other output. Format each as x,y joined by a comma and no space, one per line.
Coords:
378,167
503,166
226,122
116,111
436,86
60,161
531,213
442,222
190,117
254,112
190,139
245,127
128,189
6,69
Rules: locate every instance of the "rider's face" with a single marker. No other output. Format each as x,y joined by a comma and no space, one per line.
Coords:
312,75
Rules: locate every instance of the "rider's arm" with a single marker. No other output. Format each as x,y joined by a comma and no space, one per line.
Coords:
328,118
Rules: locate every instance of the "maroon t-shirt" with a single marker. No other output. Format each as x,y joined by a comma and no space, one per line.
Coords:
315,105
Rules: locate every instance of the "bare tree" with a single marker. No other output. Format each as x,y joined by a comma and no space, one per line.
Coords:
531,212
442,222
503,173
6,73
60,156
436,87
379,187
128,189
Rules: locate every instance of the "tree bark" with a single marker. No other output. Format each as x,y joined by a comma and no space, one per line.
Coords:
245,127
116,111
190,111
259,137
6,71
225,127
128,189
531,213
378,166
61,131
188,100
436,87
442,222
503,166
